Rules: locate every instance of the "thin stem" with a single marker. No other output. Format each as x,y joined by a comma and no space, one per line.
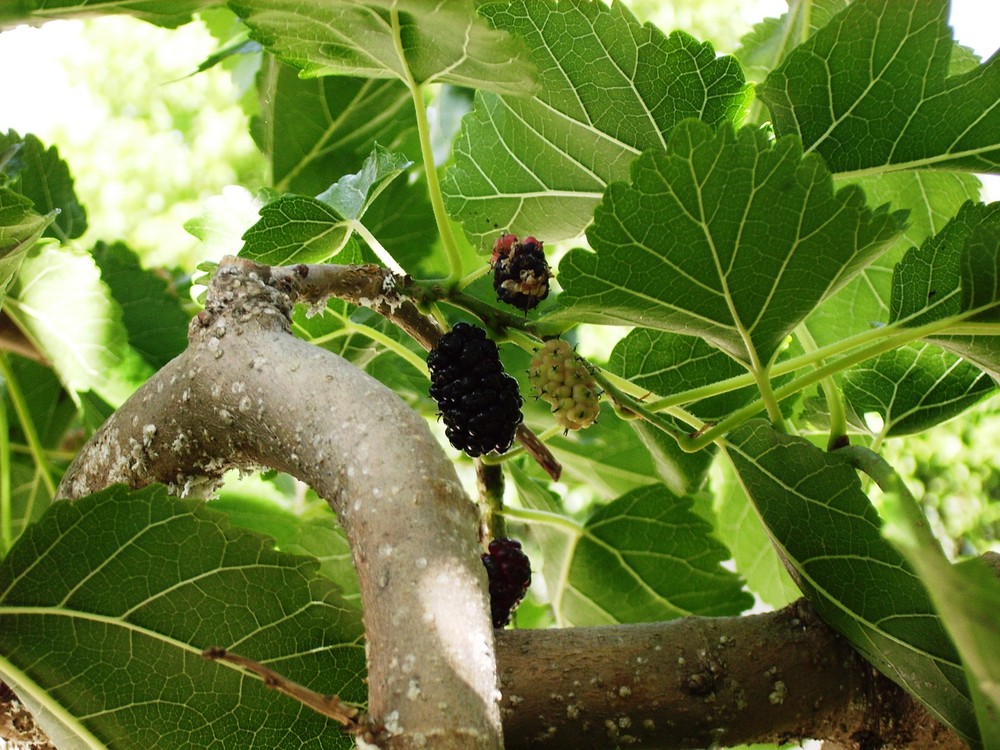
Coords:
469,278
6,501
544,517
834,398
352,327
495,459
27,426
427,154
380,252
490,482
888,479
635,408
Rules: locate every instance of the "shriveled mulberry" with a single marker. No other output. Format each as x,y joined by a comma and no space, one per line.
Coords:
509,571
563,380
520,271
479,403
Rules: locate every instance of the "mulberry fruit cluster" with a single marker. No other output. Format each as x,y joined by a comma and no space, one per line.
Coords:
520,271
509,571
479,403
563,380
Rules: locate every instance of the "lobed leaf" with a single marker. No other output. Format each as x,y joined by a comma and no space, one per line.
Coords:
725,237
151,311
871,90
642,558
915,387
428,40
107,603
610,87
20,228
830,535
41,176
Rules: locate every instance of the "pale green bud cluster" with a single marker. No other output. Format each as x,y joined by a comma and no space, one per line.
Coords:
563,380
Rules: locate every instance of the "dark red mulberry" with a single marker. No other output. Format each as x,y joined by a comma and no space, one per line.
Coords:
509,571
479,403
520,272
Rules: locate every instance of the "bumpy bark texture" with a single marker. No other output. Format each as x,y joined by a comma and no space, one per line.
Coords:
247,393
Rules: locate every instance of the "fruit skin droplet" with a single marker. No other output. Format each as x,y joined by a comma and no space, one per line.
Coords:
561,378
509,571
479,402
520,272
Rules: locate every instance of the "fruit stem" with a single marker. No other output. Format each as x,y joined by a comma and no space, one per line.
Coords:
427,155
490,481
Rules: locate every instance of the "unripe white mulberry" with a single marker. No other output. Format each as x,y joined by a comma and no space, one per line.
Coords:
563,380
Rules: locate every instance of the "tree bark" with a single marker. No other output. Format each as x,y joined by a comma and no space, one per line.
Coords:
247,393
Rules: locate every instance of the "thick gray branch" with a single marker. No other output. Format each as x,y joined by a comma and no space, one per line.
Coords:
247,393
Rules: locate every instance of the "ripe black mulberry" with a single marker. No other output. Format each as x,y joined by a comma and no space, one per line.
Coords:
509,571
520,272
563,380
479,403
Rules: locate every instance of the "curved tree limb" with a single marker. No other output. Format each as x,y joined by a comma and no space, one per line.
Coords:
247,393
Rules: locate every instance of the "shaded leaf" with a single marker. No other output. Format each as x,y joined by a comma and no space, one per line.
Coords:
669,363
826,528
967,594
644,557
312,129
432,41
107,603
610,88
932,199
872,89
726,237
41,176
20,228
754,554
151,310
915,387
773,39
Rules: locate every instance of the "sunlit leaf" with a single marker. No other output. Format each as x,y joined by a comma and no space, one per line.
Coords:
610,88
724,236
428,40
872,89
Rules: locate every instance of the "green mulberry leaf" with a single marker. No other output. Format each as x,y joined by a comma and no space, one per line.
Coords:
429,40
644,557
107,603
610,88
724,236
829,533
872,90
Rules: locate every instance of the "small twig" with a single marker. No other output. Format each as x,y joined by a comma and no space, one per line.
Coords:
490,481
351,717
535,448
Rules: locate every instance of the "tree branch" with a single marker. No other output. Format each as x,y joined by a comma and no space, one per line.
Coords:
247,393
